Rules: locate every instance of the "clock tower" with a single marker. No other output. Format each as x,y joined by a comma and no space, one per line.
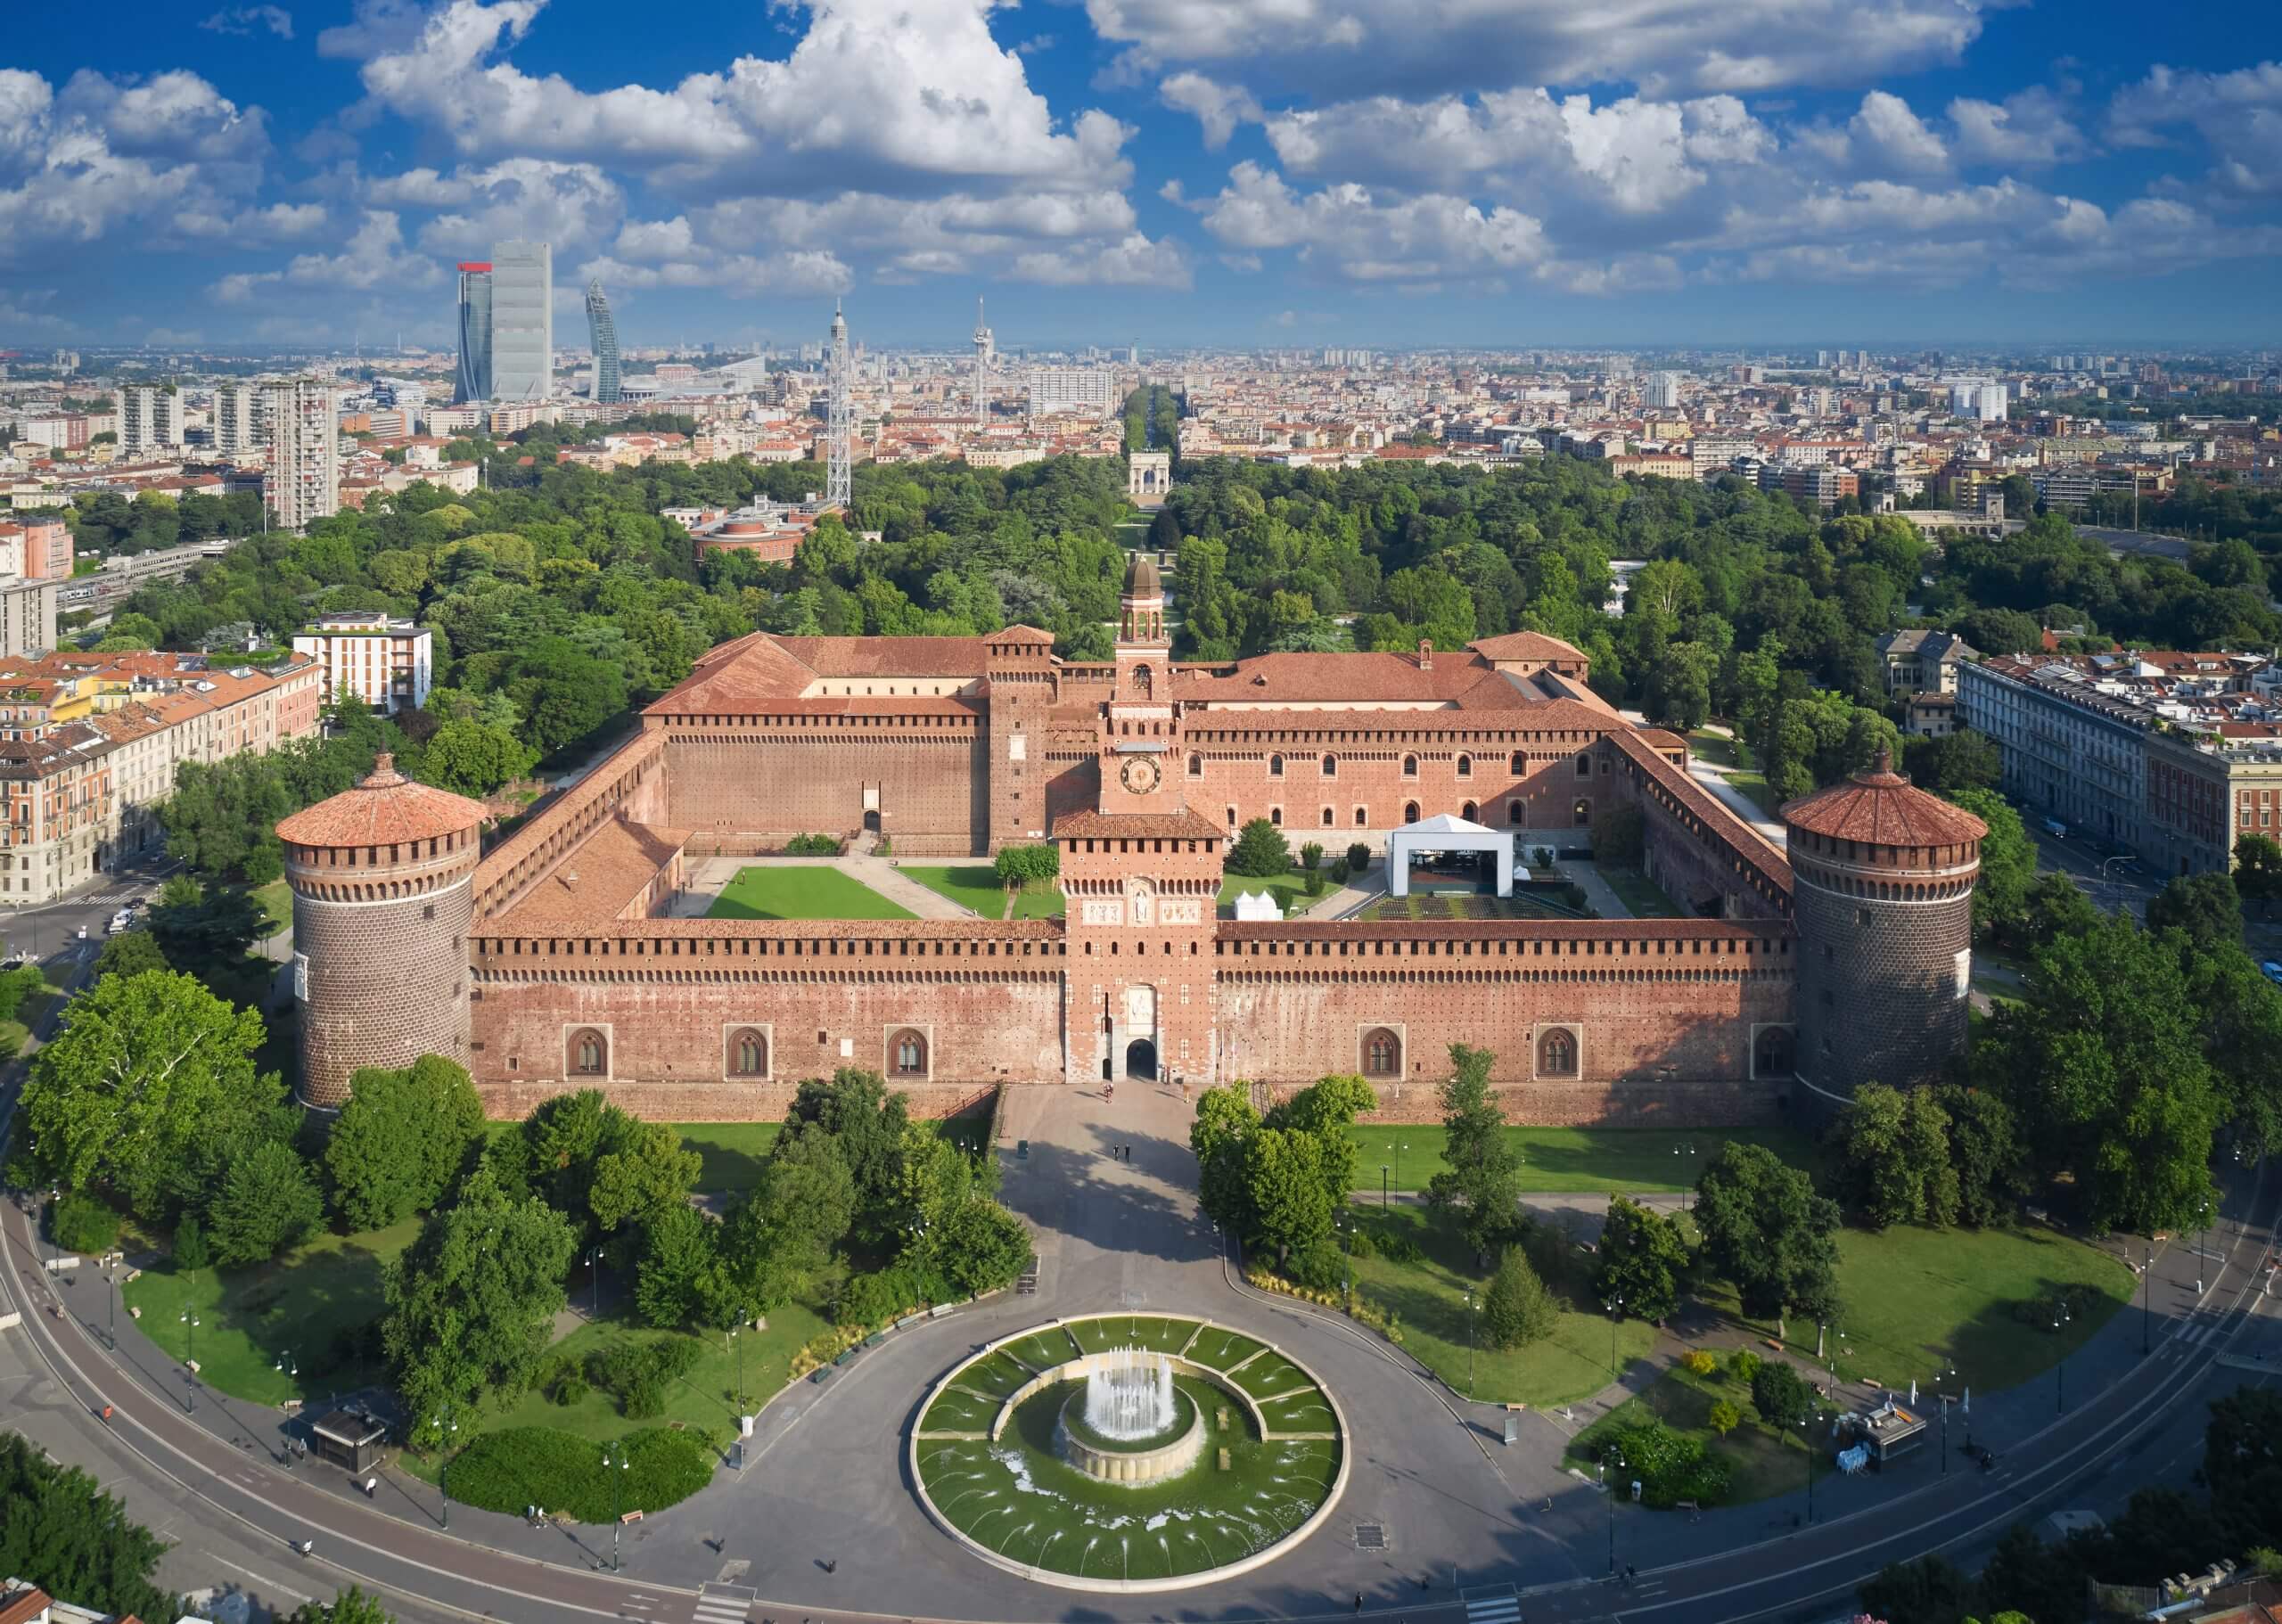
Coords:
1142,762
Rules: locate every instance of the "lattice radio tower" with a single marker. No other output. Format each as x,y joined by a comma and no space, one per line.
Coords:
840,422
983,346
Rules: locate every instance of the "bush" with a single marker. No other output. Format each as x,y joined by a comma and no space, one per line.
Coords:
1313,883
1340,872
524,1466
638,1373
889,1293
1780,1394
1319,1267
81,1223
1358,857
812,846
1516,1309
1702,1361
1724,1417
1311,855
1743,1364
1669,1466
1360,1245
569,1389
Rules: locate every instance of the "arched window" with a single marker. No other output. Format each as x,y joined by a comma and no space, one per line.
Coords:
1276,767
907,1053
1330,767
1196,764
1519,766
1382,1053
1774,1055
1327,817
1276,815
1410,767
748,1053
1409,811
1471,812
1581,814
1361,818
1557,1053
589,1054
1584,764
1465,766
1514,814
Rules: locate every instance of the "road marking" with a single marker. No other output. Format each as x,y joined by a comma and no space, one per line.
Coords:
723,1604
1501,1608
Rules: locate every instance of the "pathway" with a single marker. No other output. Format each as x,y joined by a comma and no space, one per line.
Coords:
1713,776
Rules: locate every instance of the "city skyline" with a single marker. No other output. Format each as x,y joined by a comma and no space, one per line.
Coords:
1934,167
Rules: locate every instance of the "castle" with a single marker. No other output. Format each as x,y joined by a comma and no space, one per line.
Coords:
545,964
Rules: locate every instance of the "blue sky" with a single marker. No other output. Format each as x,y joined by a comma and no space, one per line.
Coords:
1161,172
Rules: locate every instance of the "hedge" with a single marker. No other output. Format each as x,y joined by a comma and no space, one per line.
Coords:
520,1467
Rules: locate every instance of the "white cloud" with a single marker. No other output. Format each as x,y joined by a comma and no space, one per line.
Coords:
1352,47
246,19
373,258
1219,108
1133,261
567,204
1890,139
2031,129
2239,114
804,272
1344,230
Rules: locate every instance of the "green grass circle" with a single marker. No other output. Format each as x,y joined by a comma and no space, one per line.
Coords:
518,1467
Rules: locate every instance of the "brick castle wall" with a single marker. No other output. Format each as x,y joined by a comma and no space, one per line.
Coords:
739,1101
1880,996
382,982
925,779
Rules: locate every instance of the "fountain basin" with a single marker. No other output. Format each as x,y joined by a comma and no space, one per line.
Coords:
1129,1461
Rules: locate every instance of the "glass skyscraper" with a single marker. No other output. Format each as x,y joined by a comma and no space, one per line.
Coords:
473,381
522,321
601,333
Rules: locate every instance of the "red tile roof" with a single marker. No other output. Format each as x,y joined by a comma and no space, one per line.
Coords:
1182,825
26,1603
1881,807
385,808
1525,645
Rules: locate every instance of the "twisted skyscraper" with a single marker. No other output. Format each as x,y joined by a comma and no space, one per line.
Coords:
602,335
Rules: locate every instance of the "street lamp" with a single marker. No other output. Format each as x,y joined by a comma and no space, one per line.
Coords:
1688,1183
190,1360
444,1473
595,1274
2060,1370
1470,1306
1944,1398
740,1347
1608,1491
1807,1431
616,1507
1383,1186
110,1285
1615,1306
2147,1316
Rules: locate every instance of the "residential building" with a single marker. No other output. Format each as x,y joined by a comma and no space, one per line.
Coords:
1924,662
473,382
302,483
1931,715
238,429
522,321
27,614
602,335
150,420
2074,753
1056,390
40,548
1820,482
388,664
2207,790
1662,394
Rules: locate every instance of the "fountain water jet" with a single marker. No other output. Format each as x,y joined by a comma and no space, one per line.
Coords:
1129,1396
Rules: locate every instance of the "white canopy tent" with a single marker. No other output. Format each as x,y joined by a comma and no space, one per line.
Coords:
1443,833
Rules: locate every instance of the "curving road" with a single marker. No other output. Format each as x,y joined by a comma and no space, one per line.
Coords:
1467,1528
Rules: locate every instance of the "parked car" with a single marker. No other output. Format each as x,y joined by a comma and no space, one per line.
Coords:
2273,972
2057,830
121,921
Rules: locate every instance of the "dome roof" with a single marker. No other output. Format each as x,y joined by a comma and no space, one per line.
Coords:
384,809
1880,807
1141,577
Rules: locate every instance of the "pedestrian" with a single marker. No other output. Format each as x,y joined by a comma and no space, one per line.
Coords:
1358,1604
106,1415
832,1566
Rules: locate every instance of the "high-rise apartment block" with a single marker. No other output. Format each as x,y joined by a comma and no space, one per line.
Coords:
150,420
1054,389
1664,392
522,321
237,420
303,479
473,379
390,664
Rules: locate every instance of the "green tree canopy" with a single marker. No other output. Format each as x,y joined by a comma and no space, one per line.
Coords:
1480,1176
1897,1167
1260,850
59,1530
1768,1233
1644,1260
266,1203
1516,1309
401,1139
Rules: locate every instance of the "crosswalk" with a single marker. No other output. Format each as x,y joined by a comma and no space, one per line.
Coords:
1501,1605
723,1604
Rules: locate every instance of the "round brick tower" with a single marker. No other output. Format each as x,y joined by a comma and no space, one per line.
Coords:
1883,898
382,881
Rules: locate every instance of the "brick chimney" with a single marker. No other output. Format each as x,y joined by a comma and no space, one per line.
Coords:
1426,655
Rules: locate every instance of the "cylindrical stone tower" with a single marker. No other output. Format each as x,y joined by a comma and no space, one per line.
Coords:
1883,898
383,877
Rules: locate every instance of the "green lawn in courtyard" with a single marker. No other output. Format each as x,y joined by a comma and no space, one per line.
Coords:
1221,1349
1132,1331
1627,1160
1717,750
1642,897
734,1152
1921,1302
975,885
1573,1361
1290,888
1044,1348
800,892
300,1304
1762,794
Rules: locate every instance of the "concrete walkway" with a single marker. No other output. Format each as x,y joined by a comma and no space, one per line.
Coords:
1713,777
1599,895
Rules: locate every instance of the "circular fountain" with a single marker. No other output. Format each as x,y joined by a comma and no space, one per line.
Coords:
1125,1424
1128,1452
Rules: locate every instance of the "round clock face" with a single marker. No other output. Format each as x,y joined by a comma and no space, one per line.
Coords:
1138,775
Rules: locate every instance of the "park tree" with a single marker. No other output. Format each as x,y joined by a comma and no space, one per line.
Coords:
1780,1394
2242,1466
2206,906
2055,907
471,1304
1290,1201
1768,1233
472,758
130,953
1225,1118
1019,866
980,1245
866,1123
190,1248
644,1168
268,1201
784,1233
149,1070
1260,850
351,1606
601,1167
401,1139
2008,865
1984,1152
60,1530
1953,762
680,1253
205,933
1480,1176
1516,1309
1930,1590
1644,1260
2026,1576
1326,1108
2258,870
1896,1163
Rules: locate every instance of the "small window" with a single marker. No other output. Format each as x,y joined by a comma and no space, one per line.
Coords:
1196,764
1557,1053
1585,764
907,1053
1327,817
1409,811
1410,767
1519,765
1360,818
1514,814
1232,817
1276,767
589,1054
748,1053
1465,766
1330,767
1470,812
1276,815
1581,814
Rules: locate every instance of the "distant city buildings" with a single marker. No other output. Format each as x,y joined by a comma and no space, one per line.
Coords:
522,321
238,429
302,480
150,420
1054,390
388,664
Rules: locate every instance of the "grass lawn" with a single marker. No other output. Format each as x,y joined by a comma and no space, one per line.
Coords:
1920,1302
734,1152
1290,888
1719,750
802,891
277,900
1757,788
976,886
297,1305
1570,1363
1761,1462
1474,904
1642,897
1627,1160
17,1032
